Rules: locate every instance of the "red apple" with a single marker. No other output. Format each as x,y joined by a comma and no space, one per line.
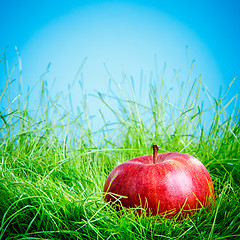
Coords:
161,183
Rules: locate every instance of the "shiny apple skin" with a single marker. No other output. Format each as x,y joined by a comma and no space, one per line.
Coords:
176,182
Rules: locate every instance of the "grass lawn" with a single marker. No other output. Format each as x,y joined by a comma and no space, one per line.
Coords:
53,165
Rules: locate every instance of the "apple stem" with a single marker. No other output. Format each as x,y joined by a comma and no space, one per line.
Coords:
155,151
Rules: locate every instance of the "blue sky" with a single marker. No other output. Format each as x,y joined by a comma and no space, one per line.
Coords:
126,36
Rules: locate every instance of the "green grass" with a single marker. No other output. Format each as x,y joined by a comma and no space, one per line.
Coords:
53,165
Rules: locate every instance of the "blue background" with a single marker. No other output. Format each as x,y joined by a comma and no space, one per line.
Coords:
124,36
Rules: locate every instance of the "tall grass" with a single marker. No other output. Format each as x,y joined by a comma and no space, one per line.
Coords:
53,165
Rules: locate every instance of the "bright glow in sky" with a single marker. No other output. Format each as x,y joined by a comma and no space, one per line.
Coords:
126,36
